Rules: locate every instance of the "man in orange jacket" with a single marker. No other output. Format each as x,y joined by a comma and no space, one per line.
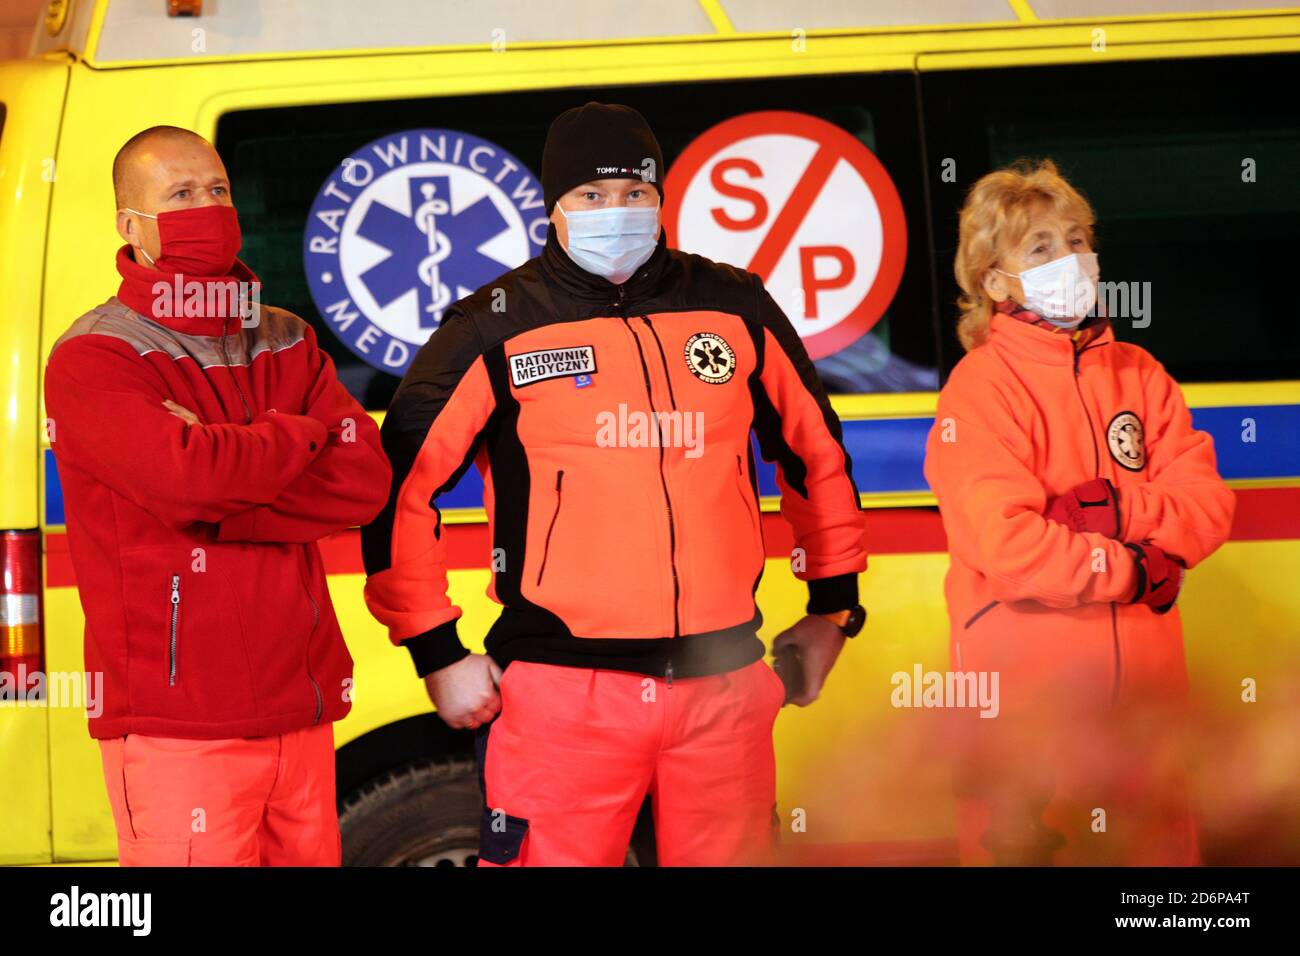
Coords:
627,557
1075,493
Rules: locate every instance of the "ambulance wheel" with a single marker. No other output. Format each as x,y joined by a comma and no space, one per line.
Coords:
424,813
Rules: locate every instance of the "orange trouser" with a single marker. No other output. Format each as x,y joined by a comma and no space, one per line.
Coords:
1074,789
574,751
256,801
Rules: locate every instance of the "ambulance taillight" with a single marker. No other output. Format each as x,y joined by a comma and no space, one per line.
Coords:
20,606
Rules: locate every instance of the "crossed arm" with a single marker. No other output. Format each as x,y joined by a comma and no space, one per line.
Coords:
993,504
342,487
281,477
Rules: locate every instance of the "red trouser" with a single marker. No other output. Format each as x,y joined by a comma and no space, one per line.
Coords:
257,801
573,752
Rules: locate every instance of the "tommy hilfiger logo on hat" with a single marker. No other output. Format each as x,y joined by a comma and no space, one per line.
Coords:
598,141
646,170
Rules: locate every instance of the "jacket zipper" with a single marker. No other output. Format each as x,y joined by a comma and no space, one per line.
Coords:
1114,630
176,610
663,478
1096,450
663,481
320,699
1096,473
225,353
663,359
315,620
546,548
672,532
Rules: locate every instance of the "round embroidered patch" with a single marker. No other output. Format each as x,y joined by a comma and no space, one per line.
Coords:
710,358
1124,438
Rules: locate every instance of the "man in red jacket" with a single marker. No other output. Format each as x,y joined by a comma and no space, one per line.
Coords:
204,445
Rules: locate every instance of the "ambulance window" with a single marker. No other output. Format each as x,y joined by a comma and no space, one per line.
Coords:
1190,167
281,159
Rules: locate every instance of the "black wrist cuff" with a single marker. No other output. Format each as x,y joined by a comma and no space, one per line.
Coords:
433,650
829,595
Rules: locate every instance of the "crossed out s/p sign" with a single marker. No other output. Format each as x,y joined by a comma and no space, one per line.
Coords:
804,205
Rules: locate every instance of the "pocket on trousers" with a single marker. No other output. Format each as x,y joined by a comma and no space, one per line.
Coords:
501,836
511,671
773,678
133,852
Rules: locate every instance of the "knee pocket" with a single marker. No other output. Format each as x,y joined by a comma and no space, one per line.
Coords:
501,836
139,852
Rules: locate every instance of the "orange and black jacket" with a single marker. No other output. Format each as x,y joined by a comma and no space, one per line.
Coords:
611,425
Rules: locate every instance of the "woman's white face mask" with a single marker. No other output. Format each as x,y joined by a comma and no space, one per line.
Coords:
1062,291
612,242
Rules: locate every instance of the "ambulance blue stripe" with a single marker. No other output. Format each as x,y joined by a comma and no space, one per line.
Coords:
1251,441
53,491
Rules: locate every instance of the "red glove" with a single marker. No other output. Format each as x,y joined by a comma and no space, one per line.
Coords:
1160,577
1091,506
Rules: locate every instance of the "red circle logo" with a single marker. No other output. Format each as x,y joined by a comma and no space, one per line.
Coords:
804,205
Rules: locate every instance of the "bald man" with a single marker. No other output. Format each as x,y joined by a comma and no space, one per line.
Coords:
204,446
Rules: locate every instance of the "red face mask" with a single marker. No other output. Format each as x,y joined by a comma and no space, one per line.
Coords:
202,241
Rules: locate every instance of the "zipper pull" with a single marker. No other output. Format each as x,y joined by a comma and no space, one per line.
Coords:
171,642
668,672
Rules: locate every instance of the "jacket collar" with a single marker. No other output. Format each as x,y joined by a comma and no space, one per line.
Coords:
1028,341
577,282
141,293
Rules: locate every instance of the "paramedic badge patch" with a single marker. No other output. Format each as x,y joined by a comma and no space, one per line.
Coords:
1125,440
710,358
529,368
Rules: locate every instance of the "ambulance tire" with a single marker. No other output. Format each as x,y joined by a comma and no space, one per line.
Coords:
423,813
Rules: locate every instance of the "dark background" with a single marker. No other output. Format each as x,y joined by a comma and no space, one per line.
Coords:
1156,146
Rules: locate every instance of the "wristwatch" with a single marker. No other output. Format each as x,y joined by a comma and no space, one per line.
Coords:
850,622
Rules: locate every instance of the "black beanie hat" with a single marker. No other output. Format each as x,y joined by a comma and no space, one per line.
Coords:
599,141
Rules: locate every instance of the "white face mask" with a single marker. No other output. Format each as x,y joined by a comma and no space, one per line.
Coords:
1062,291
612,242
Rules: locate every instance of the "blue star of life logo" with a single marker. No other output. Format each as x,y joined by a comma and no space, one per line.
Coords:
409,224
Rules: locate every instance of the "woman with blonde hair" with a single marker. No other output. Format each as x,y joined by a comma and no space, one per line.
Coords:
1074,492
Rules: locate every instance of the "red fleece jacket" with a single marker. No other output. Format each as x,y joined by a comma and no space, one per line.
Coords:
206,603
